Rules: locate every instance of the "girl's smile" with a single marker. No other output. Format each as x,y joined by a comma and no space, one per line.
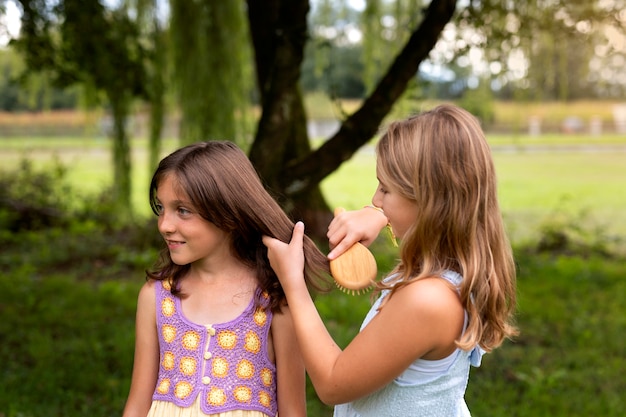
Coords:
173,244
189,237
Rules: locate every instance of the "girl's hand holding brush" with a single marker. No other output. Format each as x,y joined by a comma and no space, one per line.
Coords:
350,227
354,270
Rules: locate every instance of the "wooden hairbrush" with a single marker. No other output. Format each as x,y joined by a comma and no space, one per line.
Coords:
354,270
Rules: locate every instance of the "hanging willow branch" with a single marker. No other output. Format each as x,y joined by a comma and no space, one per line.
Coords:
211,66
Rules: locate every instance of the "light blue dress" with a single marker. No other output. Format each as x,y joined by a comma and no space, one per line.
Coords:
425,388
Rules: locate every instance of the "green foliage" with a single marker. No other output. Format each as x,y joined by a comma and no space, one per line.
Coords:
212,69
552,38
33,92
46,224
36,199
563,232
82,42
341,75
33,200
480,102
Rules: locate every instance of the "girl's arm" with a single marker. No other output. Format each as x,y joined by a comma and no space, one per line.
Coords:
290,374
421,320
350,227
146,362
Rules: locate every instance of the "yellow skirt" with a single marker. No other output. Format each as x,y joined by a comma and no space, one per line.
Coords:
168,409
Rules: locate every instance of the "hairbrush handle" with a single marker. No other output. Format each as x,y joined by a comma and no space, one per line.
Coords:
355,269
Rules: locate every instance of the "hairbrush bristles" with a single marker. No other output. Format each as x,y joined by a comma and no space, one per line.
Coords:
353,292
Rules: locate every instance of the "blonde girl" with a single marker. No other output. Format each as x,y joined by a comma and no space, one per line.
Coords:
450,298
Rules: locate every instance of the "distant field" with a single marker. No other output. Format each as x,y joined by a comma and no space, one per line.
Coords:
534,186
510,115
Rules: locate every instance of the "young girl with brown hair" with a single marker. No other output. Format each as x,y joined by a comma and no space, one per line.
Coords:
450,298
214,334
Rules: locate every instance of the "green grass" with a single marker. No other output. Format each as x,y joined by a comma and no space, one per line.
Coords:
67,343
570,355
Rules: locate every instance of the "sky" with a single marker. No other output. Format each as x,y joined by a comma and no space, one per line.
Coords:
9,23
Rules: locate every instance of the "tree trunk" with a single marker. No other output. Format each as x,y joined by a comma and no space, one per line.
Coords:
121,154
279,32
157,96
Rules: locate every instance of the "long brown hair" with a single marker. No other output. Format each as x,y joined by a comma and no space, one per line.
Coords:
440,159
225,189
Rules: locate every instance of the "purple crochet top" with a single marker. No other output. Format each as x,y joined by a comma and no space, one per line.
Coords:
226,364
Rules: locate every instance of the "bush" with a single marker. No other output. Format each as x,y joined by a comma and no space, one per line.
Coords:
564,232
480,103
34,200
43,199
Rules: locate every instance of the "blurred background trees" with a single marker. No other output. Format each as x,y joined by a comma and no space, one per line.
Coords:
239,70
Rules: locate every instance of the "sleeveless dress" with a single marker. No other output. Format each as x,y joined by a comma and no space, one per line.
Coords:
426,388
218,370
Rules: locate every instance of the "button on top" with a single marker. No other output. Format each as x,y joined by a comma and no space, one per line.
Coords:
206,380
207,355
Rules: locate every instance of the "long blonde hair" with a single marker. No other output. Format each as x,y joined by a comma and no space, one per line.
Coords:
440,160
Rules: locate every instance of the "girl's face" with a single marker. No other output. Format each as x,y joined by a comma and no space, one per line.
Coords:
400,211
189,237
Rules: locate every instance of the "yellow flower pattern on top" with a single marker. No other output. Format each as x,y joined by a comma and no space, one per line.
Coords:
169,333
164,387
168,307
266,377
245,369
191,340
183,389
253,342
216,397
243,394
219,366
265,399
168,361
260,317
188,366
227,339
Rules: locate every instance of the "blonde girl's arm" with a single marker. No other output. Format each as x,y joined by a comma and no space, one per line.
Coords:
290,374
421,320
349,227
146,362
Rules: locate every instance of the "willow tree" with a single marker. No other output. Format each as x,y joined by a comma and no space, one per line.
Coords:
211,67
